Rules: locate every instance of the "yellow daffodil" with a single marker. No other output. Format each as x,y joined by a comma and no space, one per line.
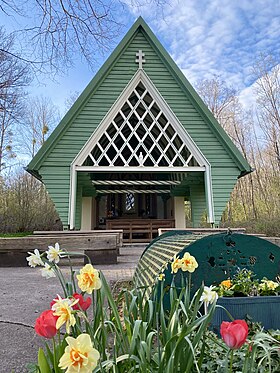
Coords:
189,263
79,355
226,283
63,309
176,264
34,259
54,253
88,279
161,276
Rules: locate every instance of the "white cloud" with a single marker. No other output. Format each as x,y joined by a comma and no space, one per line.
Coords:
223,37
247,98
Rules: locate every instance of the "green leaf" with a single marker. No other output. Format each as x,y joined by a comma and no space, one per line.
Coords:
43,362
32,368
49,352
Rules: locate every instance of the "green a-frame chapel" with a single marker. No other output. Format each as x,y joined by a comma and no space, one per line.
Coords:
136,144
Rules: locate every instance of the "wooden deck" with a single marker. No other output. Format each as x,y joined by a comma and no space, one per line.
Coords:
139,230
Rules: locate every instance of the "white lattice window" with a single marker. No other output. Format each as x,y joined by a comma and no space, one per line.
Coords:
140,135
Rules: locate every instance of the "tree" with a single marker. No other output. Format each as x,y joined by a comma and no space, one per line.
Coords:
221,99
25,205
62,29
71,99
41,117
14,76
266,71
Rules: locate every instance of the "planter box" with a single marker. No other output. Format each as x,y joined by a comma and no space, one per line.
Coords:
264,309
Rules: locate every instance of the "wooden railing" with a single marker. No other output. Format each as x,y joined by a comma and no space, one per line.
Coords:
139,230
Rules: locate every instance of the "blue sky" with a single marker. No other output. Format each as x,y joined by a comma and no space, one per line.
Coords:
204,37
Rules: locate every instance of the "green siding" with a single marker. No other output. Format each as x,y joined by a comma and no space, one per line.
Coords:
198,203
71,140
57,181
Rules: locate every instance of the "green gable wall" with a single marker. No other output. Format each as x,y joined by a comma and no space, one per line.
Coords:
198,203
55,168
56,179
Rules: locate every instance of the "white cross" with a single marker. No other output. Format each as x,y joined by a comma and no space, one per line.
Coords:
140,58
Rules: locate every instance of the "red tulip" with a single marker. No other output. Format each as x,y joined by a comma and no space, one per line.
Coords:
82,304
45,324
234,333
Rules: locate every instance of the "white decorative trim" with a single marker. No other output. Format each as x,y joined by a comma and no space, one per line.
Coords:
140,76
135,182
209,195
125,191
137,169
72,197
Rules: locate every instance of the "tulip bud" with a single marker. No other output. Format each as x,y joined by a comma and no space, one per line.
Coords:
83,303
45,324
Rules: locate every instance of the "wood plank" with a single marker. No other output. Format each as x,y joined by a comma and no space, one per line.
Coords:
100,248
117,232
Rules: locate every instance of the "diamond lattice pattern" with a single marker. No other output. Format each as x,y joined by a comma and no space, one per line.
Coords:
140,135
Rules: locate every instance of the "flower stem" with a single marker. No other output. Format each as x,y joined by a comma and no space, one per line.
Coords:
54,356
189,285
231,361
61,279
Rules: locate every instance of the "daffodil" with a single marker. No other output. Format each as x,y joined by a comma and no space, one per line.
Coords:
209,295
161,276
54,253
176,264
34,259
79,355
47,271
63,309
88,279
189,263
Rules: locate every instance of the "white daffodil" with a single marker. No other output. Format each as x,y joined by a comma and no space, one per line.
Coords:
54,253
209,295
161,277
47,271
34,259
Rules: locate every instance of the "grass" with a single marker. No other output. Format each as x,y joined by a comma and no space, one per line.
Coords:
12,235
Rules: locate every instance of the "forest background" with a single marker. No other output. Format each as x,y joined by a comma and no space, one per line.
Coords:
52,45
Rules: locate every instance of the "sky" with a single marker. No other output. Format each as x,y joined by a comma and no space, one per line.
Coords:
222,37
204,37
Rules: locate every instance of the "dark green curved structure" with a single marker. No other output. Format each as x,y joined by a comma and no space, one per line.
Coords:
218,256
